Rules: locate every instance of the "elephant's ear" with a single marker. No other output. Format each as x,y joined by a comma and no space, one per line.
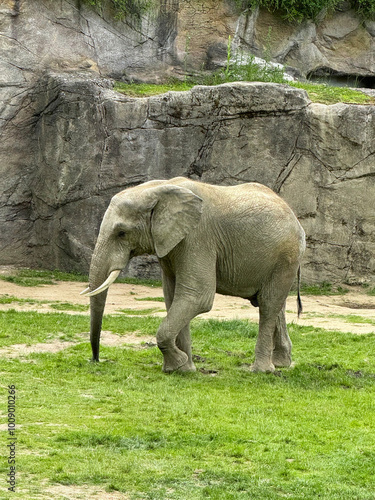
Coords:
175,213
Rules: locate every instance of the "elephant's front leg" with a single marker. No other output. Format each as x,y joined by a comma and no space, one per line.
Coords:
173,336
282,351
183,342
183,339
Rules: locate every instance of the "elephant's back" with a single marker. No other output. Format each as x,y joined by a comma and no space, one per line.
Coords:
245,212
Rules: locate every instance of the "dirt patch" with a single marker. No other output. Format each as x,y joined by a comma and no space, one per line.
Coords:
329,312
354,305
17,350
75,492
108,339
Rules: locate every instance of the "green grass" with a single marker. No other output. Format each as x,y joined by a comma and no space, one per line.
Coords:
67,306
140,312
33,277
354,318
246,69
318,93
150,299
150,89
10,299
140,281
327,94
222,433
59,306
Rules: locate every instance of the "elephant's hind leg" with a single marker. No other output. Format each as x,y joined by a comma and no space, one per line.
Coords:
282,351
273,344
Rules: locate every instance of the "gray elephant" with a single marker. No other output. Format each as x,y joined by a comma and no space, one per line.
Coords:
240,240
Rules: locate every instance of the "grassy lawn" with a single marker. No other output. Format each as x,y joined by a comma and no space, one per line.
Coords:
222,433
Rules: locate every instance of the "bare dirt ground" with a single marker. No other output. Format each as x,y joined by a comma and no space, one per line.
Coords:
330,312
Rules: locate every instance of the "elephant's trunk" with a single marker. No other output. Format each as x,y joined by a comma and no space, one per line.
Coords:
97,304
100,279
98,276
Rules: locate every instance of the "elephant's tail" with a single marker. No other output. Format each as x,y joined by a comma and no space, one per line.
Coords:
299,301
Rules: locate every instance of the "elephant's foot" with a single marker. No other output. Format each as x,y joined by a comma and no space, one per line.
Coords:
281,359
174,359
263,366
188,367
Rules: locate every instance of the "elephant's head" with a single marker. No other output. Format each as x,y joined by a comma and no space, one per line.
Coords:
152,218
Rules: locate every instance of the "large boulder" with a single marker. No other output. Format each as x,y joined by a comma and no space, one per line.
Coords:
76,142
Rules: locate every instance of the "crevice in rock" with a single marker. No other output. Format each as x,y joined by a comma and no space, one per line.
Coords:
340,79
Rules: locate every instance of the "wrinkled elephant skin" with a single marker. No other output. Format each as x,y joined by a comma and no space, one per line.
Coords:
238,240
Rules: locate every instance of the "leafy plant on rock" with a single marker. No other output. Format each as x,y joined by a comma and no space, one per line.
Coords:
300,10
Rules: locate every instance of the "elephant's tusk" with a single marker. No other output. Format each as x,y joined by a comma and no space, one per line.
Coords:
111,278
86,290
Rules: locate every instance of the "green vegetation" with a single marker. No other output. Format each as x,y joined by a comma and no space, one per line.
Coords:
242,69
9,299
32,277
354,318
150,89
319,93
59,306
67,306
299,10
291,10
221,433
140,312
150,299
249,71
140,281
327,94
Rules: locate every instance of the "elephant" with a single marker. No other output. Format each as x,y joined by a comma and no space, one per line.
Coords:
241,240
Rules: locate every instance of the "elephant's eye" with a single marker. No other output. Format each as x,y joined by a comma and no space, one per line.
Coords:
121,234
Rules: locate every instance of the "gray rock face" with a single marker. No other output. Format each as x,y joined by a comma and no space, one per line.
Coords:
70,35
340,43
68,142
178,36
74,143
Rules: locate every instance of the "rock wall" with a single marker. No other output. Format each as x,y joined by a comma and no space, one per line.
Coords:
85,142
68,142
177,37
340,43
